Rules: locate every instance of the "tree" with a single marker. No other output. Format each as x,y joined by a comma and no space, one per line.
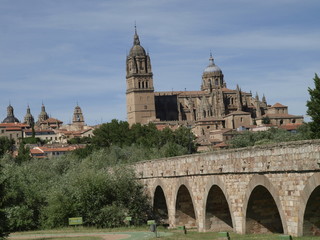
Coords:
23,154
4,226
6,145
116,132
314,108
266,120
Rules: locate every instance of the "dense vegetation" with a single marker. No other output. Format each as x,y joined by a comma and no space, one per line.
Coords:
94,182
45,193
165,143
273,135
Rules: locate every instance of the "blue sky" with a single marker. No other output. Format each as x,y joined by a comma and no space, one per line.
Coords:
61,52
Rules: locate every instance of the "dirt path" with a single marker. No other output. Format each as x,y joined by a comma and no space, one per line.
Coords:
105,236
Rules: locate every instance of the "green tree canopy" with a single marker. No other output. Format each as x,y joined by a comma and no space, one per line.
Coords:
273,135
4,225
6,145
314,108
118,133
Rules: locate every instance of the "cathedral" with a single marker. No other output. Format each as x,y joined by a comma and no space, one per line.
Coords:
213,107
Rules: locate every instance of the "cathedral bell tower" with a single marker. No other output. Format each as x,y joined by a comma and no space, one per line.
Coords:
140,91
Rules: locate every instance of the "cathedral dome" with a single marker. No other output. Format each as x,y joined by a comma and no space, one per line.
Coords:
212,68
10,116
10,119
137,50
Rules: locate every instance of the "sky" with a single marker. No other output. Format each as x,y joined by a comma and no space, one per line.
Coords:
67,52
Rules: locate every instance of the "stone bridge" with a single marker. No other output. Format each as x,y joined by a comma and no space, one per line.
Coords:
274,188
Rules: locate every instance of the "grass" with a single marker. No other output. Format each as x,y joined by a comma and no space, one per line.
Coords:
176,234
69,238
211,235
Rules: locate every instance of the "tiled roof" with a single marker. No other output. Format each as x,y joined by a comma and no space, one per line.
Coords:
222,144
13,129
277,105
8,125
291,126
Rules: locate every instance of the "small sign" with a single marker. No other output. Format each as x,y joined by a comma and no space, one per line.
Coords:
127,219
150,222
75,221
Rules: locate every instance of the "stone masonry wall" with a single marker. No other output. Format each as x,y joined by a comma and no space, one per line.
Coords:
288,171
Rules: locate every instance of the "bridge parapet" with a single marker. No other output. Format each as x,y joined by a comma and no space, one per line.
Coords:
283,157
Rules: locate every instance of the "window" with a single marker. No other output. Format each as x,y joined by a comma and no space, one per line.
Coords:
145,107
217,82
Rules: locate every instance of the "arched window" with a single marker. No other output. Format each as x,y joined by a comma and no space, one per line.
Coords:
139,84
147,85
217,82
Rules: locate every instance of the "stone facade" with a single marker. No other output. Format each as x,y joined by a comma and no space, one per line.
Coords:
214,104
274,188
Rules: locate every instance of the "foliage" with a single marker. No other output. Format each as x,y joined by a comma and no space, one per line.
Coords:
314,108
32,140
113,133
78,140
6,145
4,227
45,193
266,120
23,154
273,135
118,133
92,182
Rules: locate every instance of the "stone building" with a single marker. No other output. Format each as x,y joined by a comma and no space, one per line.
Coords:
213,107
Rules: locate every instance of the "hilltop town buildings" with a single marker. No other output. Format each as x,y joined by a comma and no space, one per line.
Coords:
213,112
48,129
214,109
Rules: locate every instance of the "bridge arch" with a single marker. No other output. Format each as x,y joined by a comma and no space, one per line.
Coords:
261,190
185,207
310,207
214,219
159,199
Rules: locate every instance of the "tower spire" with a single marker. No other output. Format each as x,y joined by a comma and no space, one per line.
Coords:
136,40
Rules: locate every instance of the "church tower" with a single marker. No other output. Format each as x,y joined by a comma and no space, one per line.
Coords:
28,118
43,114
140,91
78,118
